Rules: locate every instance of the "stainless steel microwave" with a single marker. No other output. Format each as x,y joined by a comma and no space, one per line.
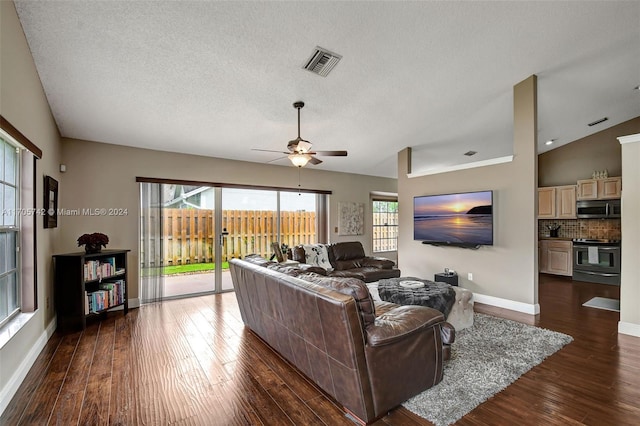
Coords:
598,209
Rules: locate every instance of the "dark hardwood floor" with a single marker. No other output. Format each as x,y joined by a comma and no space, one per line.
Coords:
191,362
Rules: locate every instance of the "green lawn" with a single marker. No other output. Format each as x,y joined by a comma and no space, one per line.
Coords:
191,268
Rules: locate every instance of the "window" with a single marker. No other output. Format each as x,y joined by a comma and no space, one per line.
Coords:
9,231
385,225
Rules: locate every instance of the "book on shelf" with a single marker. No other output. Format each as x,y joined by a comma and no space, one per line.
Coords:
98,269
108,295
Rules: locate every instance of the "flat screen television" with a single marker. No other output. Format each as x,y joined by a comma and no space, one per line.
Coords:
464,219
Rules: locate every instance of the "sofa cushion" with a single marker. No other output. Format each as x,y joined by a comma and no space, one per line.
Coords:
342,265
256,259
347,251
350,286
317,255
383,307
293,271
367,274
378,262
298,254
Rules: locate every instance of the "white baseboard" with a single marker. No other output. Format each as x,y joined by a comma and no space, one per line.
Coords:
512,305
10,389
133,303
629,328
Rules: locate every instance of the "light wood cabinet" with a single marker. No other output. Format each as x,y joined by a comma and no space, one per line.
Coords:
609,188
587,189
600,189
566,202
556,257
557,202
547,203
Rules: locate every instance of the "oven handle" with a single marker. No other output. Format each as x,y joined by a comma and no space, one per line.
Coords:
600,274
599,248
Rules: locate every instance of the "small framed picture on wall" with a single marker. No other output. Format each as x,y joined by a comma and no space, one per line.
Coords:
50,205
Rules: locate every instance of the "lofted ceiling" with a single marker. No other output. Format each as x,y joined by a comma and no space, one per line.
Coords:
219,78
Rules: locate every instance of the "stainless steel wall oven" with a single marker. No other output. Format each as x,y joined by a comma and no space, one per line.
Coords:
596,261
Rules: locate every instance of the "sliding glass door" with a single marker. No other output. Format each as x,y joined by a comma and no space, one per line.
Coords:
179,241
188,233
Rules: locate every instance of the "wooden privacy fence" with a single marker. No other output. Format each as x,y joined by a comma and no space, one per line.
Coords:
188,234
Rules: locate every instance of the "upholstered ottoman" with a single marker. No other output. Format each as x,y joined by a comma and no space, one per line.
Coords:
461,315
455,303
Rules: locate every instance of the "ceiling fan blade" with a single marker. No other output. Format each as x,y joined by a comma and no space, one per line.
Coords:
268,150
314,161
331,153
276,159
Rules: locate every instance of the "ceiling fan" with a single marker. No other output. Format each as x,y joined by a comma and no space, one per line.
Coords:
300,152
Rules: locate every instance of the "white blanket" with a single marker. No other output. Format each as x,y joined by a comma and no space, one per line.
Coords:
317,255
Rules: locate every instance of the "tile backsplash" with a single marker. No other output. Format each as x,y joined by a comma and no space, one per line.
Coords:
582,228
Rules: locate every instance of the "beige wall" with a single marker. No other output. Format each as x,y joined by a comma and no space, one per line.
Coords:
630,277
104,175
578,160
508,269
24,104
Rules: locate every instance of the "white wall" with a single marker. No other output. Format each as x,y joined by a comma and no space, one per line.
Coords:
508,269
630,276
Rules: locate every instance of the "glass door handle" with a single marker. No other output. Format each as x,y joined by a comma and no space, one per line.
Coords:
223,235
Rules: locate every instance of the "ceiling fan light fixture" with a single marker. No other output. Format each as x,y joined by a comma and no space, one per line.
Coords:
299,160
300,146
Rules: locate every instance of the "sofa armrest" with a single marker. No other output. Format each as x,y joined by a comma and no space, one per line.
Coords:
378,262
401,323
404,354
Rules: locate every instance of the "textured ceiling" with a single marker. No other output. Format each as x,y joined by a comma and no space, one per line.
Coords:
219,78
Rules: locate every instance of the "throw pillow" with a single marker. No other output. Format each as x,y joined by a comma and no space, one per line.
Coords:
317,255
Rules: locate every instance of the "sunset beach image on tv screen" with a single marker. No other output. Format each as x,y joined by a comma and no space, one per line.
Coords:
454,218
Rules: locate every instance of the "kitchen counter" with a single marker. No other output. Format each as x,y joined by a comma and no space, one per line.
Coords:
556,238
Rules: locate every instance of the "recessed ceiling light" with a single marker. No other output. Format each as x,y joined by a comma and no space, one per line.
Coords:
550,141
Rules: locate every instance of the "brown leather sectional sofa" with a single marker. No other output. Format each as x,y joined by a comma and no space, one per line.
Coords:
369,357
349,260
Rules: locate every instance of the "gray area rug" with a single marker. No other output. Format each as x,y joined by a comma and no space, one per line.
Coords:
603,303
485,359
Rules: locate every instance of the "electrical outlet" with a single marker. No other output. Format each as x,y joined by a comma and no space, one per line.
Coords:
48,303
470,276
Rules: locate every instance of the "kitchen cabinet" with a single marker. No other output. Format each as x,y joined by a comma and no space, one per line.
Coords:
555,257
600,189
557,202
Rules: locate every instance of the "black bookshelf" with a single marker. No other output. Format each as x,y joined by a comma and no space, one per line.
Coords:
77,286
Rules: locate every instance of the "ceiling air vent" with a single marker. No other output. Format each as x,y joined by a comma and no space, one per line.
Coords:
598,121
470,153
321,61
